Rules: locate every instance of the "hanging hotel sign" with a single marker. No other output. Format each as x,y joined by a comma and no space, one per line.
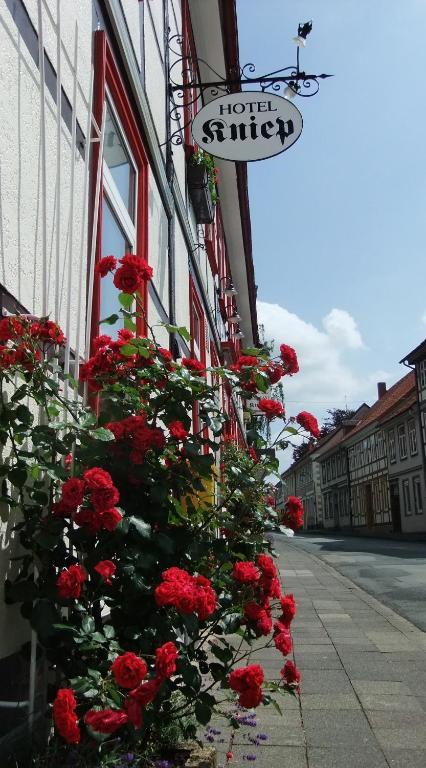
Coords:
249,125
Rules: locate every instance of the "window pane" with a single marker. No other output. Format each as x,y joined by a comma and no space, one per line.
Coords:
119,163
115,244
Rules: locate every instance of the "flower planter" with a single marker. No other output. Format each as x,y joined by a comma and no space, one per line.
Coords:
200,194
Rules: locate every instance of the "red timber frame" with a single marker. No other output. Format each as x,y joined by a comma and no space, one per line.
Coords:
190,72
107,74
197,330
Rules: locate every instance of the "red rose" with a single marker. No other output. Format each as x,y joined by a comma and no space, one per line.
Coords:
10,328
282,639
267,566
193,365
246,677
64,717
73,492
89,519
145,272
106,569
146,692
110,519
129,670
176,574
97,478
308,422
250,698
253,455
177,430
246,361
61,509
125,335
293,513
104,498
270,587
165,660
106,720
245,573
70,580
165,354
273,371
288,607
289,358
134,712
101,341
290,674
127,279
105,265
271,408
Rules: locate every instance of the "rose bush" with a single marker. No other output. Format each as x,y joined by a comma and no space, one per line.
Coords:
124,578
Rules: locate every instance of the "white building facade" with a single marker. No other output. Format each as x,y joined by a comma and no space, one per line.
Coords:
94,160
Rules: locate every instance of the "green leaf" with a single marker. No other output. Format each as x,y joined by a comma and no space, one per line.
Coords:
18,477
141,527
223,654
128,350
111,320
20,591
130,324
126,300
276,706
24,414
230,623
203,712
90,693
103,434
109,631
88,624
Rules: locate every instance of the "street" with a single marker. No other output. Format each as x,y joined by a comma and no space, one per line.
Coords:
392,571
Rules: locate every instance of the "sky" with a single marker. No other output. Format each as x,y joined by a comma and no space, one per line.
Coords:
339,220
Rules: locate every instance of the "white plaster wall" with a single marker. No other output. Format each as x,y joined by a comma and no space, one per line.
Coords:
21,262
158,241
131,10
154,77
182,280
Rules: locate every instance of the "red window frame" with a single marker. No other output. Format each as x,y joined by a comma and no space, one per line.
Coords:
196,308
107,74
190,73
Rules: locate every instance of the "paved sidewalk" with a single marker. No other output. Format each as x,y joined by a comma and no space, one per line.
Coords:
363,699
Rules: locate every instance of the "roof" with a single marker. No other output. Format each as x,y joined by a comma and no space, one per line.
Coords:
397,395
340,433
401,407
415,354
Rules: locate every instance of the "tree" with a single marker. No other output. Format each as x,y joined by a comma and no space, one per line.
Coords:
336,417
300,451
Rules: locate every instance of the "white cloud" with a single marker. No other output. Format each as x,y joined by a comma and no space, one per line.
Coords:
324,380
342,329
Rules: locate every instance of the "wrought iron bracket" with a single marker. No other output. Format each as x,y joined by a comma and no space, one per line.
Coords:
188,90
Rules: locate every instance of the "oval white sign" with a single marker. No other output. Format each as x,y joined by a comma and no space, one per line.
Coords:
247,126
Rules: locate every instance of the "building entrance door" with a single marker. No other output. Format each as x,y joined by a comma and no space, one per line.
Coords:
395,507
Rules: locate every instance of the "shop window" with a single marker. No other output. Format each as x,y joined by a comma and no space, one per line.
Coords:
122,225
412,437
402,442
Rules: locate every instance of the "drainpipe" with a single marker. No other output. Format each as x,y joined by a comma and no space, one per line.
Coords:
419,414
170,174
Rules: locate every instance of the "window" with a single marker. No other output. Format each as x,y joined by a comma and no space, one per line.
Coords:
323,473
123,203
417,493
402,442
407,497
422,374
412,437
333,467
392,446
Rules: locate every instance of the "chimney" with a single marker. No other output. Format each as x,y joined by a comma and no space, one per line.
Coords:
381,389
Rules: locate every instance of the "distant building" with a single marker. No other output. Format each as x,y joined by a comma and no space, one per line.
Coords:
401,427
302,480
331,457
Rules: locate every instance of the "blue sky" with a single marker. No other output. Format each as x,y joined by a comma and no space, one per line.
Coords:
339,220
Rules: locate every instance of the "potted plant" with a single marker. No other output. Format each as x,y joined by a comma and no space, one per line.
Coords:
202,180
